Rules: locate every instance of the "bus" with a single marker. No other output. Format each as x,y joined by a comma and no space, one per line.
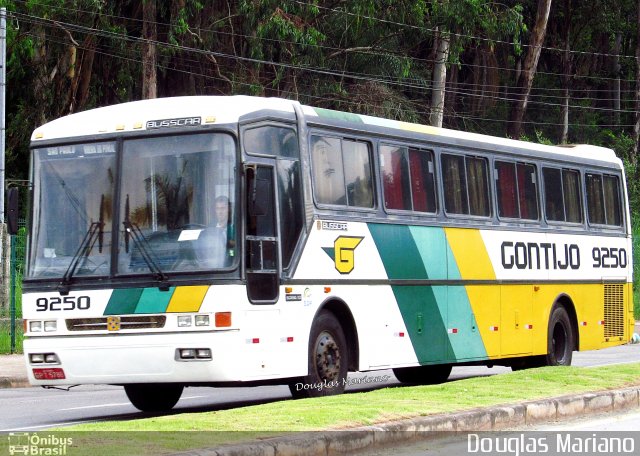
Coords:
237,240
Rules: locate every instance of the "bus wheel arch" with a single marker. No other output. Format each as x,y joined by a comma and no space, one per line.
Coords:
565,301
344,316
327,359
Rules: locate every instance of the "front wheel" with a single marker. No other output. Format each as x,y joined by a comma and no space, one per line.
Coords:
153,397
327,360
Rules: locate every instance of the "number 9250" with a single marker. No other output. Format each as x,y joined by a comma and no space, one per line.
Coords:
63,303
605,257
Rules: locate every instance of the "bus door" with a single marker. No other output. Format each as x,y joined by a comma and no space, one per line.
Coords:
261,241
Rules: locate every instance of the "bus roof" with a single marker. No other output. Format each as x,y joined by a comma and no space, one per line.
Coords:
135,115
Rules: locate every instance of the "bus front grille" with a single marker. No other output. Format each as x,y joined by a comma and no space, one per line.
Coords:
614,310
100,324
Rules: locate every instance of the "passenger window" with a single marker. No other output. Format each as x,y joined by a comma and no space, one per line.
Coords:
517,190
466,185
342,172
270,140
408,177
562,195
603,199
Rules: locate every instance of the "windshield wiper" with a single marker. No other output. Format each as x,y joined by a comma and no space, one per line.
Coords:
143,246
84,249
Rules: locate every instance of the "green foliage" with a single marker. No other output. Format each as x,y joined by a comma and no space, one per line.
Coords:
371,57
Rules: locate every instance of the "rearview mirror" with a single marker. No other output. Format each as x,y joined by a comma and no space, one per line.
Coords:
13,210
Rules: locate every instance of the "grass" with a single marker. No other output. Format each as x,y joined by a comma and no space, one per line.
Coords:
170,433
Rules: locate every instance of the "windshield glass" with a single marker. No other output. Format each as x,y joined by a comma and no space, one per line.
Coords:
73,197
176,204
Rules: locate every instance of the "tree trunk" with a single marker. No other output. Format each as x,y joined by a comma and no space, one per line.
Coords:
566,70
636,126
149,58
439,80
617,70
529,68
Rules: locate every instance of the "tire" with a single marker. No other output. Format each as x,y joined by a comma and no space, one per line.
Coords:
423,375
560,339
327,360
153,397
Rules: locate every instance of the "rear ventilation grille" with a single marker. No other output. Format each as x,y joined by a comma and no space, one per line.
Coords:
614,310
100,324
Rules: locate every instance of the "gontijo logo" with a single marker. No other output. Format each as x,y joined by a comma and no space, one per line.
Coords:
342,252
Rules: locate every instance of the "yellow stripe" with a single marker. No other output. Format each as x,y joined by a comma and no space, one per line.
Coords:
420,128
470,254
187,299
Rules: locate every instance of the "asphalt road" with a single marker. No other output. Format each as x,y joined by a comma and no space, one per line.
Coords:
32,409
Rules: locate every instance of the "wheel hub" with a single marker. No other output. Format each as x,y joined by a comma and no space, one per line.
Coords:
327,357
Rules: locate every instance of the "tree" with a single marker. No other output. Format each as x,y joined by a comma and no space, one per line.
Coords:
636,125
525,81
149,57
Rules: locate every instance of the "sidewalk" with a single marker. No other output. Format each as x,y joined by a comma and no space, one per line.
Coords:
13,371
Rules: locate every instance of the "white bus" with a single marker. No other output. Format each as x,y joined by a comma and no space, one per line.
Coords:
242,241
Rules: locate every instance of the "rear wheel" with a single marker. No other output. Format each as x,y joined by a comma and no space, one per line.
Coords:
153,397
560,340
327,360
560,343
423,375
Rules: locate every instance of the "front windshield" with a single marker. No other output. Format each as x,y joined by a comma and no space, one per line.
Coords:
73,197
175,211
176,204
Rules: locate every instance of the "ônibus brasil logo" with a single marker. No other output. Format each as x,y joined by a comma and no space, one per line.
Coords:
38,444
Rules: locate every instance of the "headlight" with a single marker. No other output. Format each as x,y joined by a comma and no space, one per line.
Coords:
35,326
50,326
184,321
202,320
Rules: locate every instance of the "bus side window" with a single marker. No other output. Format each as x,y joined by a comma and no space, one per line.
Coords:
395,177
603,199
516,190
328,173
271,140
342,171
356,157
612,200
408,179
466,185
562,195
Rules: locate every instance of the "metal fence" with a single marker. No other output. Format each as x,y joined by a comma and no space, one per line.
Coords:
13,255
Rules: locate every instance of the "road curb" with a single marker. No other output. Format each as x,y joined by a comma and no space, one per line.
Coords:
14,382
324,443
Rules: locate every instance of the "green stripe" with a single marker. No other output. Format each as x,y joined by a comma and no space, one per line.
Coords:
337,115
415,253
154,301
422,307
138,301
398,251
123,301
